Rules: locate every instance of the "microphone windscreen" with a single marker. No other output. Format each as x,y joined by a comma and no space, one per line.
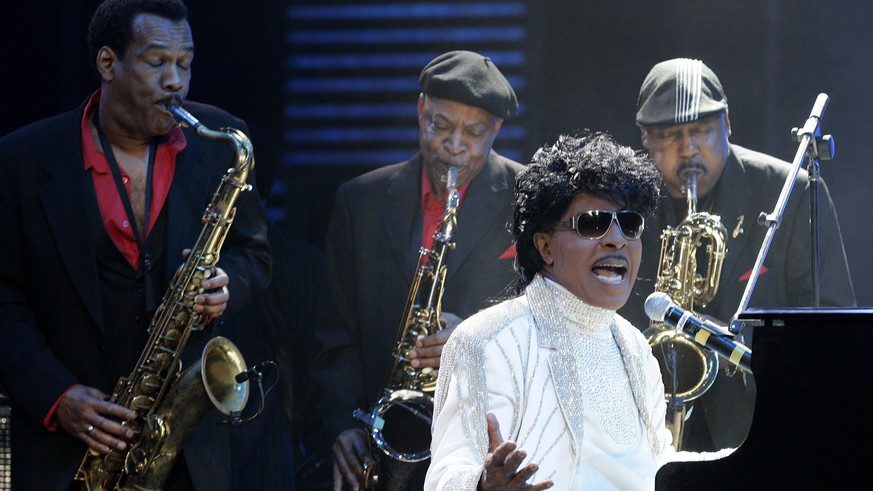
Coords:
657,305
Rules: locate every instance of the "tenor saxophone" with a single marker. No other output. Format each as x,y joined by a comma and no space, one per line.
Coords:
168,404
399,424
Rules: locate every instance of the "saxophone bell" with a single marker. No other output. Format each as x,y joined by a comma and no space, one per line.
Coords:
400,424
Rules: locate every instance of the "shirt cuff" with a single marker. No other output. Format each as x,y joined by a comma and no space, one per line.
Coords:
49,422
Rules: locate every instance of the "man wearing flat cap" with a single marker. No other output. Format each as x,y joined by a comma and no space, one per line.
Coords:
684,123
382,219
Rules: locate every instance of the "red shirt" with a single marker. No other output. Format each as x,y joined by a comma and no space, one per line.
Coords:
433,210
111,207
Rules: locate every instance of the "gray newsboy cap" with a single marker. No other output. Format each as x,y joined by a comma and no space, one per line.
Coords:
470,78
679,91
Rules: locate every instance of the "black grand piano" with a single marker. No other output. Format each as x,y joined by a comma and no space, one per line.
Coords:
813,422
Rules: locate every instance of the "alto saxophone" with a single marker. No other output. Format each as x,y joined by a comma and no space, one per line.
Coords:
689,271
400,421
168,404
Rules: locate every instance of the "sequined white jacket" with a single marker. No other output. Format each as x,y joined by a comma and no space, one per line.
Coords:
588,410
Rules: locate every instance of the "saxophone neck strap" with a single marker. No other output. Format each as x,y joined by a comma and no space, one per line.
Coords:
145,264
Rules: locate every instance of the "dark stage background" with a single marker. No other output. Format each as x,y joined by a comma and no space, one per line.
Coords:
584,62
575,64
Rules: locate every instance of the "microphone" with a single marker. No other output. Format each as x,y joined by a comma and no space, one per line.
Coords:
661,308
254,371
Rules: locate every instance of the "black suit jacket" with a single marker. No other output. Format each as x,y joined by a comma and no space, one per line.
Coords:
372,249
51,314
751,184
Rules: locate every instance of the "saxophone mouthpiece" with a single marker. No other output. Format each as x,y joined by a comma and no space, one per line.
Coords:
183,117
691,191
452,196
451,178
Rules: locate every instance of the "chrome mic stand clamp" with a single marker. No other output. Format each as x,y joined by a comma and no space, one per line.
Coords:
815,147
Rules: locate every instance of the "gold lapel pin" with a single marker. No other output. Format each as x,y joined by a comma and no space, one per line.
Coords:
739,228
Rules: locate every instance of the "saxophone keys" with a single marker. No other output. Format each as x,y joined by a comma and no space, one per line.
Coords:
149,384
141,403
137,460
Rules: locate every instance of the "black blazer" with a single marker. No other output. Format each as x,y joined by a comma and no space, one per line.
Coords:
372,249
51,314
751,184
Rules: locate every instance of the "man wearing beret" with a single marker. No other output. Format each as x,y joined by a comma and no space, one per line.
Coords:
381,220
684,123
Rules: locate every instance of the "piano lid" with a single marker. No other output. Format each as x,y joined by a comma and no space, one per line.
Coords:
813,423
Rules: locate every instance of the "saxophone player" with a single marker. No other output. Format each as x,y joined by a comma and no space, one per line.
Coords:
380,221
685,126
98,205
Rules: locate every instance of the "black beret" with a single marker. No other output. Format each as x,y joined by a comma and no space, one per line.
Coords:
470,78
679,91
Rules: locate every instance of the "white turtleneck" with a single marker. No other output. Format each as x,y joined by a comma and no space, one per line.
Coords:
574,385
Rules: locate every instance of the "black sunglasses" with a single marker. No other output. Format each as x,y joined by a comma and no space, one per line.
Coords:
594,224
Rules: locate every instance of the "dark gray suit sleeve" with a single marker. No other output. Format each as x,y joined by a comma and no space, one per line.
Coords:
338,368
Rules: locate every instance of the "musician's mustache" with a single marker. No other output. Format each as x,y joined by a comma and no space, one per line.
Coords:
690,166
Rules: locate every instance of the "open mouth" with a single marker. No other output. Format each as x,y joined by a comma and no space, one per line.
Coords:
611,271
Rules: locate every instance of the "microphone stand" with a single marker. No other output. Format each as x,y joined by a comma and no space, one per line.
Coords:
814,146
677,404
821,149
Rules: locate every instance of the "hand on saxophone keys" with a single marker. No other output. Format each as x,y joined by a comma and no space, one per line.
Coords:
429,349
213,300
85,413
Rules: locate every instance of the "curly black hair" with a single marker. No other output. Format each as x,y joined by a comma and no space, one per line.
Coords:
112,22
590,163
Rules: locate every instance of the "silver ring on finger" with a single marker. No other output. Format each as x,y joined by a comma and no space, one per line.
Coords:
89,429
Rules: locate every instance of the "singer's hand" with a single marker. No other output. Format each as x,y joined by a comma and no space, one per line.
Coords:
502,461
349,451
429,349
85,413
